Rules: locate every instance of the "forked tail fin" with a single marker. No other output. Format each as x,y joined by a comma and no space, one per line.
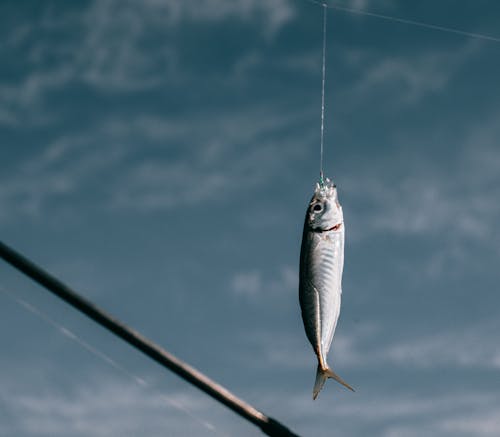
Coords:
322,375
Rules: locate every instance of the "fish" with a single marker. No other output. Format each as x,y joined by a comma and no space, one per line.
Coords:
320,275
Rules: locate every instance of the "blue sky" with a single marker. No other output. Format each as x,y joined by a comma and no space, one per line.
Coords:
158,156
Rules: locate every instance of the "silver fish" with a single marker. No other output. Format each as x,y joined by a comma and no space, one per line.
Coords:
321,266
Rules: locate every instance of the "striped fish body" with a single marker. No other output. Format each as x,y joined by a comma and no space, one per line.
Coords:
320,285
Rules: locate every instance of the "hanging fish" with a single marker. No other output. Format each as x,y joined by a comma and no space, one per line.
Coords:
321,265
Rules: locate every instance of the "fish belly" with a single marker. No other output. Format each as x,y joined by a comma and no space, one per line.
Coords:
322,261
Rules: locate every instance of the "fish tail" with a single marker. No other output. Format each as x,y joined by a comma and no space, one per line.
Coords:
322,375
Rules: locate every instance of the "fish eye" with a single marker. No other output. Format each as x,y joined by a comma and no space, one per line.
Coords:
318,207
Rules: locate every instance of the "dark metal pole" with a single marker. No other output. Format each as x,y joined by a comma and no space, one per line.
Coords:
267,424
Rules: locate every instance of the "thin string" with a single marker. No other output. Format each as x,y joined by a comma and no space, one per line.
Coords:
98,353
323,98
407,21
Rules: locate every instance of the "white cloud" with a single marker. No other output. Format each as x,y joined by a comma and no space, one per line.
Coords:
229,154
483,423
174,13
406,80
275,13
23,101
247,283
467,415
455,200
146,163
290,350
131,46
254,284
121,46
396,414
56,174
113,54
411,408
364,4
417,77
471,346
101,408
111,408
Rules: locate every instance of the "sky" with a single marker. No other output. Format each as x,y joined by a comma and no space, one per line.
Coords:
159,156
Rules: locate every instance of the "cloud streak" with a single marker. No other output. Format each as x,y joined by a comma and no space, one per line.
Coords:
254,284
403,79
400,414
123,176
469,347
103,409
453,199
114,46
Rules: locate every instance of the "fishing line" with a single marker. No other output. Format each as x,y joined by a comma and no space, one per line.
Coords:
323,97
407,21
101,355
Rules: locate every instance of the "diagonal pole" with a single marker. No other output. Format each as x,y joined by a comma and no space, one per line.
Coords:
268,425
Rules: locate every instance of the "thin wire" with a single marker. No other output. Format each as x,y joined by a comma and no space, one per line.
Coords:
323,97
407,21
98,353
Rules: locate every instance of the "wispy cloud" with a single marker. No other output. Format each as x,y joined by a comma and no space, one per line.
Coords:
473,346
135,47
404,79
54,175
254,284
103,409
110,408
363,4
472,415
480,423
227,153
175,13
115,47
453,199
273,14
398,414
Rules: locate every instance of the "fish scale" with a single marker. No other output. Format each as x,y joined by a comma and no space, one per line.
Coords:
330,280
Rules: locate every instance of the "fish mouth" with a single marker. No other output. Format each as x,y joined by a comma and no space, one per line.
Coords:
325,190
333,228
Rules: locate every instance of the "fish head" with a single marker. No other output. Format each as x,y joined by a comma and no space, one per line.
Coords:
324,212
